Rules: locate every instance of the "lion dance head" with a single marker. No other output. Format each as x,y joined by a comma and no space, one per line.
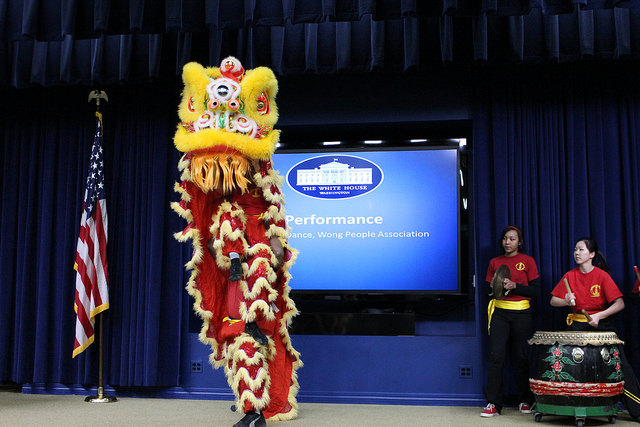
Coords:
227,116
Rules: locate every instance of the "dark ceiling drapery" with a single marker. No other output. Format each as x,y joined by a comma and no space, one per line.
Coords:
56,19
69,42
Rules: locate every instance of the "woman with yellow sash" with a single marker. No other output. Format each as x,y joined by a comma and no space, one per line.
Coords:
510,322
594,298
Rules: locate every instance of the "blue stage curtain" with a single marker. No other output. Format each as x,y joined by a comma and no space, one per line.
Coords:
54,19
45,142
104,42
556,152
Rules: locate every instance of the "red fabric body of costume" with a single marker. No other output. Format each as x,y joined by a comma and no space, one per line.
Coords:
222,298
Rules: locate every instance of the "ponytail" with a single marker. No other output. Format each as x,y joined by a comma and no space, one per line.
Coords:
601,262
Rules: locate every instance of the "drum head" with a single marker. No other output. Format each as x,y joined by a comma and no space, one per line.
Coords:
497,283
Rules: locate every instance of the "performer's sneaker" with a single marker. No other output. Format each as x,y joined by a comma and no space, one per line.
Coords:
524,408
252,419
490,411
256,333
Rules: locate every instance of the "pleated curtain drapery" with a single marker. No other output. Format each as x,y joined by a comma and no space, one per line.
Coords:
555,150
555,147
44,154
557,153
68,42
56,19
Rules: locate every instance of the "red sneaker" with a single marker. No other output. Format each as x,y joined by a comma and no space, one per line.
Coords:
524,408
490,411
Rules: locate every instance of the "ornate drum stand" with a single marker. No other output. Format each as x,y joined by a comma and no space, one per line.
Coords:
577,374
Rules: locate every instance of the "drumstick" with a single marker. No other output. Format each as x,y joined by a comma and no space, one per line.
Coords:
566,283
635,268
573,302
586,315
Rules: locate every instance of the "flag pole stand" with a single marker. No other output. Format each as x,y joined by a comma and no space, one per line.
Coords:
99,95
100,398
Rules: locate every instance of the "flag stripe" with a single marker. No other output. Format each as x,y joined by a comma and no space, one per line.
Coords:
83,287
92,290
93,274
100,240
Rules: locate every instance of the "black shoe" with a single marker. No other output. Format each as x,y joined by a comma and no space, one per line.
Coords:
255,332
252,419
235,272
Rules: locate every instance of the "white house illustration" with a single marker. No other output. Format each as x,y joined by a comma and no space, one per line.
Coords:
334,173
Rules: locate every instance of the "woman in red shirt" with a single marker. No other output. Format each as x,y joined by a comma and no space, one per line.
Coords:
593,290
510,322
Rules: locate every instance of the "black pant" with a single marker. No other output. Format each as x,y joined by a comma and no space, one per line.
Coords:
631,396
509,328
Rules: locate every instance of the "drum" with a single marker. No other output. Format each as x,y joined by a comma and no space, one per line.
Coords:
576,369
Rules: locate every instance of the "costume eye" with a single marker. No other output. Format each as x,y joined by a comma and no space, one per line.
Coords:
223,91
263,104
233,104
213,104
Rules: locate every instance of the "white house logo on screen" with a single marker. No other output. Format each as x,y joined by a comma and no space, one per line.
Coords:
334,176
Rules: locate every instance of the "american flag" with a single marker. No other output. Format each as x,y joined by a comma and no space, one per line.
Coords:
92,291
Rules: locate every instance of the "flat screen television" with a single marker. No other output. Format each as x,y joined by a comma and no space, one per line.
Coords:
375,220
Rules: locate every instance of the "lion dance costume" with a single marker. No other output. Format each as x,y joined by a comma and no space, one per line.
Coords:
231,199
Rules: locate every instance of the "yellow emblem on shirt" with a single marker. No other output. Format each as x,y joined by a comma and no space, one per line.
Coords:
520,266
595,290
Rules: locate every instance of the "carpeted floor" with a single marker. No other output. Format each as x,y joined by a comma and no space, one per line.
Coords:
17,409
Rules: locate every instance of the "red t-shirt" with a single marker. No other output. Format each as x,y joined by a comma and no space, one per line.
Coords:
523,270
594,291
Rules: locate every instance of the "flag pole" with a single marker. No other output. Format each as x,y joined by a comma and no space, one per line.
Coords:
98,95
101,397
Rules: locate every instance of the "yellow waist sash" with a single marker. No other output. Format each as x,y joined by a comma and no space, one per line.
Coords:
576,317
507,305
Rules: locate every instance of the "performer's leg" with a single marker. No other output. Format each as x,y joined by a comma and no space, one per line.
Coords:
521,328
631,395
258,286
247,373
231,238
234,297
497,351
